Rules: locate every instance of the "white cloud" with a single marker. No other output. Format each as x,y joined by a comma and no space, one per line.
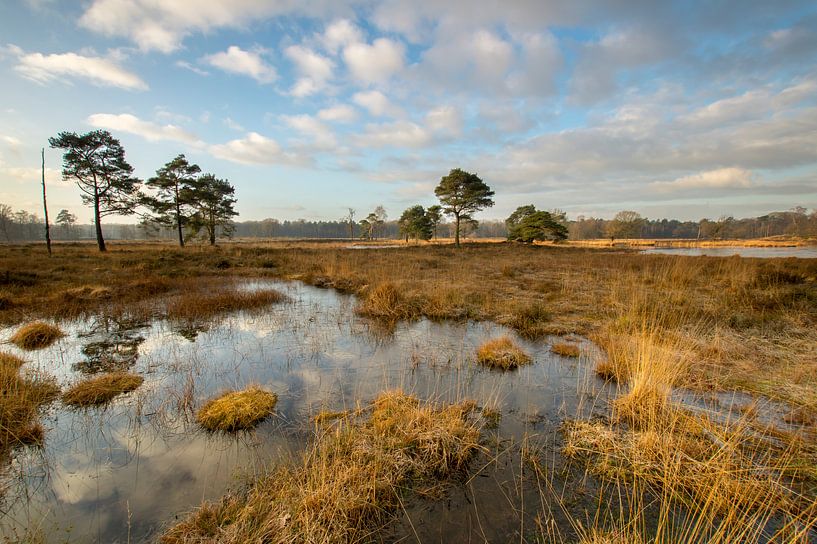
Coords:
722,178
320,134
339,34
342,113
238,61
539,63
10,141
30,175
376,103
255,149
374,63
101,71
232,125
445,121
397,134
162,25
595,75
468,61
195,69
151,132
315,70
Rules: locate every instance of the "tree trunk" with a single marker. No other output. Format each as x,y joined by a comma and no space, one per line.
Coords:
211,229
100,241
179,223
45,210
457,230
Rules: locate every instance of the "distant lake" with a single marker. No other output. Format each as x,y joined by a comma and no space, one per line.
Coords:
807,252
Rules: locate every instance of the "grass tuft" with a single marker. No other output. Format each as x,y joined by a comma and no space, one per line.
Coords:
237,410
530,319
36,335
565,350
350,483
21,396
101,389
387,301
502,353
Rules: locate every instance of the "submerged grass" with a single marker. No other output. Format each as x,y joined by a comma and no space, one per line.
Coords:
237,410
350,483
502,353
36,335
101,389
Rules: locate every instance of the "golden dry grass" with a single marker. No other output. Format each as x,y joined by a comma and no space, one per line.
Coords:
565,350
36,335
237,410
502,353
197,306
22,394
350,483
101,389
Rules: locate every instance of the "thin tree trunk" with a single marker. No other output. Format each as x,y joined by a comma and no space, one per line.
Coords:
179,223
100,241
45,209
457,230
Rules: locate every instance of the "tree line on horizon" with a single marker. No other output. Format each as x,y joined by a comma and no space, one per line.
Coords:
182,201
22,226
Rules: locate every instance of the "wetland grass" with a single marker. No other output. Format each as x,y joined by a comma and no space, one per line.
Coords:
565,350
36,335
350,483
101,389
237,410
502,353
192,306
22,394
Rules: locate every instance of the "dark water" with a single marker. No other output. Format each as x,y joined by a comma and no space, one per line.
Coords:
121,473
809,252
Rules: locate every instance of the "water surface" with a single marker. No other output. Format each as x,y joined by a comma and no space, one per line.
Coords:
121,473
802,252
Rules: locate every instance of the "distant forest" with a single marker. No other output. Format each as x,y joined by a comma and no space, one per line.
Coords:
20,226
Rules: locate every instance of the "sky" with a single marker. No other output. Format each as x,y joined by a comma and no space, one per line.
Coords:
673,109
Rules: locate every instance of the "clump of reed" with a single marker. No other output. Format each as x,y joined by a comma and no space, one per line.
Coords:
237,410
502,353
192,305
22,394
530,318
350,483
708,483
387,301
101,389
36,335
565,350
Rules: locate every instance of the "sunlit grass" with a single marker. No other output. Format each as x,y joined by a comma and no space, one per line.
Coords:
237,410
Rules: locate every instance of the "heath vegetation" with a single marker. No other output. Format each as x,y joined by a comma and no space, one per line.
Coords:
351,482
101,389
237,410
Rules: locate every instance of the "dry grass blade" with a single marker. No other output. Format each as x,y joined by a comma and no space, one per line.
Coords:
101,389
237,410
502,353
36,335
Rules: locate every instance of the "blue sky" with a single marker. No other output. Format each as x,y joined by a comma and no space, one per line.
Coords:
673,109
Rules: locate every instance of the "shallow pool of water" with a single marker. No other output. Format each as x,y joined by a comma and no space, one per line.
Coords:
805,252
123,472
